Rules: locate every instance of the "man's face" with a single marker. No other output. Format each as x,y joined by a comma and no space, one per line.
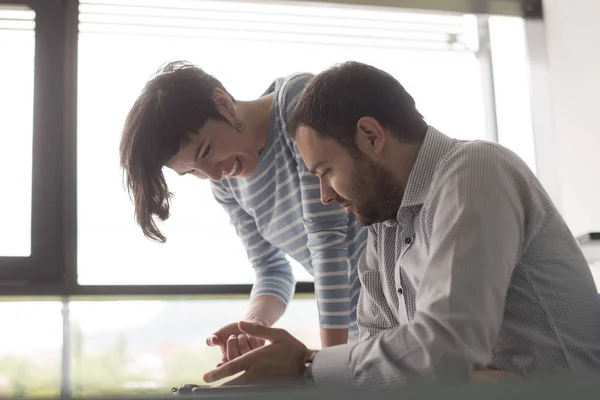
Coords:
361,185
216,151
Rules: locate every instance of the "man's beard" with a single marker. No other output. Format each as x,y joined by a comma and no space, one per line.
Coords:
374,194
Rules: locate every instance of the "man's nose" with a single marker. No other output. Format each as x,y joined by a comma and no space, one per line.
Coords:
327,193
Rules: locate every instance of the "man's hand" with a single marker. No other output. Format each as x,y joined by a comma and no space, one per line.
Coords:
281,361
233,342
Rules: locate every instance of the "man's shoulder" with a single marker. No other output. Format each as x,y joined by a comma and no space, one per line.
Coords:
465,150
479,156
473,169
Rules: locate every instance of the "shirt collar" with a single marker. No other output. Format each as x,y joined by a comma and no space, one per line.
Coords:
435,146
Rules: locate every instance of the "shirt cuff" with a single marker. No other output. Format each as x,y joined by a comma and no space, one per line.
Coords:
330,366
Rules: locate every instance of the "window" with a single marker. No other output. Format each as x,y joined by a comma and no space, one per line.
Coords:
143,347
30,357
511,82
122,347
246,45
17,41
31,144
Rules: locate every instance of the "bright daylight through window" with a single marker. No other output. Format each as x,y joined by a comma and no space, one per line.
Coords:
246,45
17,44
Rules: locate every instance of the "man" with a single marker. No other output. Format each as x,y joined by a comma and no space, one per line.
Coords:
468,263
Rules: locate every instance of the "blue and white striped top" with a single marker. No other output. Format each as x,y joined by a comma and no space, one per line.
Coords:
278,211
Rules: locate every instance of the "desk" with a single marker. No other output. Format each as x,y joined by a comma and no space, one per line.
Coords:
555,388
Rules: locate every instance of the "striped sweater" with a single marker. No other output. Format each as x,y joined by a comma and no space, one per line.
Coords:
277,211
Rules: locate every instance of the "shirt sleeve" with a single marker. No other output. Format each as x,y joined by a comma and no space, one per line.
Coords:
273,271
374,312
475,223
326,228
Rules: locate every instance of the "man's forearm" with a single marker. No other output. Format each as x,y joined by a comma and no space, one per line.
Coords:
265,309
333,337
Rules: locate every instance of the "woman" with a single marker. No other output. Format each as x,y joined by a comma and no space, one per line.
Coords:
186,120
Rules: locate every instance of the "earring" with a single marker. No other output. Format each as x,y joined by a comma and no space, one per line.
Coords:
239,125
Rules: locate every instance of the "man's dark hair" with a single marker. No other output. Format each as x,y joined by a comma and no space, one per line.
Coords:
174,104
334,101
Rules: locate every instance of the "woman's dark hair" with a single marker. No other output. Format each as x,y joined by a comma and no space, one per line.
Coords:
174,104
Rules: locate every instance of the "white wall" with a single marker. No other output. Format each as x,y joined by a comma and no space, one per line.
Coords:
573,44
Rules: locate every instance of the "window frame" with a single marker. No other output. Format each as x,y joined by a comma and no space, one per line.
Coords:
51,103
52,268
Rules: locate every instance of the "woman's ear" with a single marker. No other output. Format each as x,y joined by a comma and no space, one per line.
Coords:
224,104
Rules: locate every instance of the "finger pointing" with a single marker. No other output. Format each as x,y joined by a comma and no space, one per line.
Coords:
226,370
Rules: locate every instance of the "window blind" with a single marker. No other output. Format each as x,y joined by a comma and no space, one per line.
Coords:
17,18
493,7
296,22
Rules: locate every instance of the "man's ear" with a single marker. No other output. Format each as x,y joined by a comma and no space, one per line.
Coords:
224,104
370,136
